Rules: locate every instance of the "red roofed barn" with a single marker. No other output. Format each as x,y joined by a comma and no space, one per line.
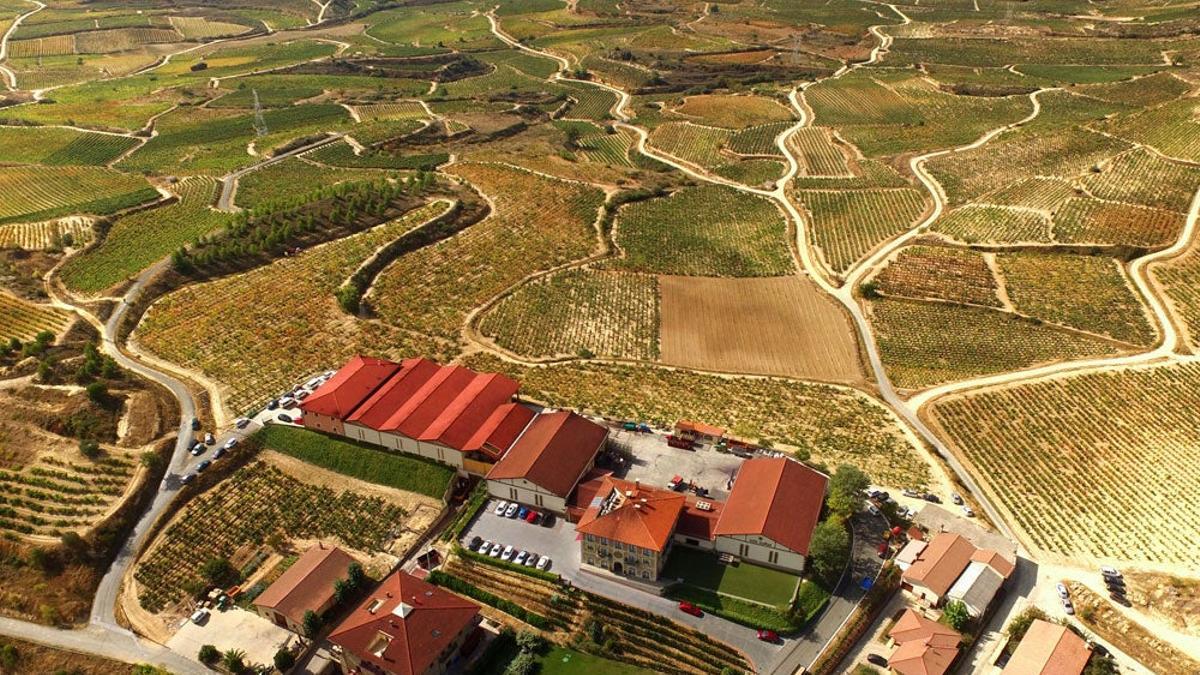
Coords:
406,627
349,387
305,586
771,513
548,460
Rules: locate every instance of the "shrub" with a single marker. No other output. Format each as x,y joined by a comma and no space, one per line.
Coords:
8,657
209,655
531,642
955,615
524,664
220,572
284,660
511,567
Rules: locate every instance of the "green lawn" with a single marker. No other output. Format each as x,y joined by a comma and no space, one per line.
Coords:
563,661
359,460
752,582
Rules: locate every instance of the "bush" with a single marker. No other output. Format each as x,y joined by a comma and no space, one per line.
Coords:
220,572
89,448
955,615
511,567
284,660
209,655
8,657
531,642
524,664
478,498
440,578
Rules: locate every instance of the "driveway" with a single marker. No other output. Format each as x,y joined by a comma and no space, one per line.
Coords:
558,541
233,629
655,463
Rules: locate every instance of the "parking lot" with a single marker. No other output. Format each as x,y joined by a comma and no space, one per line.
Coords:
655,463
557,541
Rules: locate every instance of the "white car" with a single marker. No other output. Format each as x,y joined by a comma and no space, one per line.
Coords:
1110,572
967,511
485,547
230,443
1062,591
520,558
531,560
500,508
511,511
508,552
242,422
1068,607
496,549
199,617
208,439
543,563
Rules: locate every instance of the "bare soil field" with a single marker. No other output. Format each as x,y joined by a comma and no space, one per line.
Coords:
765,326
1174,599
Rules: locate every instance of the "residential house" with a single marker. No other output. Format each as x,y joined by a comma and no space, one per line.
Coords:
305,586
952,567
548,460
1048,649
922,646
979,583
406,627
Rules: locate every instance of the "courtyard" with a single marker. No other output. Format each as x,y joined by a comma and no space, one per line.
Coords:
655,463
746,581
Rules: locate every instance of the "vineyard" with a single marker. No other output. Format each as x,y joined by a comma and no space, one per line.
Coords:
923,344
200,28
60,147
1139,177
987,223
817,154
933,272
758,140
23,320
704,231
847,225
51,496
432,290
579,312
233,521
46,234
42,193
692,143
231,331
733,112
278,181
1091,221
836,424
1079,461
138,240
1171,129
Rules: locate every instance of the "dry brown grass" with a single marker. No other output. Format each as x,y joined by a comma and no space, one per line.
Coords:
767,326
1173,599
35,658
1102,617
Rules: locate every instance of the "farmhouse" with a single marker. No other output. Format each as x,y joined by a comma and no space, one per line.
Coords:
406,627
699,431
771,513
547,461
305,586
922,646
1048,649
951,567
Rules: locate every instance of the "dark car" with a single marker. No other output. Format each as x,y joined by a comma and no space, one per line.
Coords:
548,521
476,542
284,417
203,465
198,448
218,453
273,404
688,608
767,635
188,478
195,424
877,660
932,498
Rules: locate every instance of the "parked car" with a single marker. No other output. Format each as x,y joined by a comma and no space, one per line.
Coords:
883,549
932,498
195,424
198,449
511,511
242,422
543,563
531,560
199,617
1110,572
873,509
1114,582
188,478
203,465
273,404
1099,648
508,553
1119,598
500,508
548,520
677,442
522,512
968,511
1062,591
218,453
1068,607
209,439
301,395
767,635
486,547
519,559
497,549
533,517
287,403
229,444
688,608
877,660
956,498
909,492
476,542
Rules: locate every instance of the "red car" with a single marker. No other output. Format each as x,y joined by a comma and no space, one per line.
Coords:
532,516
689,608
768,635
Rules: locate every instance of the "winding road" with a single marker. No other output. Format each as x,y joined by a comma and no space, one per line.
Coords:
10,78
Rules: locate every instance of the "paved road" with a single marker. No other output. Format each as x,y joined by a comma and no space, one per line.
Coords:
864,562
229,182
10,78
104,642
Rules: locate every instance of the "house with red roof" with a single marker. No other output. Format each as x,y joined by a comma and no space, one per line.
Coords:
548,460
406,627
628,528
922,646
950,566
305,586
1048,649
771,513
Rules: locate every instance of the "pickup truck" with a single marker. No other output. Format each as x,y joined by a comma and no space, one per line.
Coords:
677,442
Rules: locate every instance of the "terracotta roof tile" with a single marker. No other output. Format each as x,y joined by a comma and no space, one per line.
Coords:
497,433
924,646
776,498
632,514
940,564
1048,649
553,452
307,584
994,560
352,384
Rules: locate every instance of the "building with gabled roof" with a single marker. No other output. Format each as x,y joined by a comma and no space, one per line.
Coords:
922,646
950,566
628,528
976,587
305,586
548,460
406,627
1048,649
771,512
328,406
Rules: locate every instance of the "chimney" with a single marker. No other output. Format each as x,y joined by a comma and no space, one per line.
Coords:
637,485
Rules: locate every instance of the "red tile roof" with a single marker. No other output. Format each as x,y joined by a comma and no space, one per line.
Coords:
349,387
941,563
776,498
697,523
700,428
994,560
307,584
497,433
632,514
428,402
552,452
404,625
924,646
1048,649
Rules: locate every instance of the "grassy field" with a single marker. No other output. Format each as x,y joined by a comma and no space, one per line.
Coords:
359,460
746,581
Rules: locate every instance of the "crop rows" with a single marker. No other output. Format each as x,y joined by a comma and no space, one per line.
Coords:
1139,177
817,154
1180,278
704,231
50,191
50,496
753,172
250,506
590,103
1090,221
54,45
732,111
23,320
940,273
1102,464
201,28
759,140
869,174
399,110
46,234
610,149
846,225
579,312
691,143
121,39
1171,129
1040,193
975,223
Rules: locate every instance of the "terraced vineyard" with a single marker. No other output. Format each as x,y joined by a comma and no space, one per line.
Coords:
931,272
847,225
60,147
1078,461
23,320
46,234
41,193
52,496
733,112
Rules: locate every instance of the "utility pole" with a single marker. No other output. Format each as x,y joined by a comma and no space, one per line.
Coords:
260,124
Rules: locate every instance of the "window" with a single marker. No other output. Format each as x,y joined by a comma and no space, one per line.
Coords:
512,493
744,550
537,499
773,557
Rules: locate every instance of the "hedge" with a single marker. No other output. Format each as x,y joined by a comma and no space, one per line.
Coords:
749,614
478,498
512,567
440,578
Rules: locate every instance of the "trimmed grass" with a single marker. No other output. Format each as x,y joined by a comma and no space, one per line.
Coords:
563,661
359,460
752,582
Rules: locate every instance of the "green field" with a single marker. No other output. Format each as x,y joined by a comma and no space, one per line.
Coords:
746,581
40,193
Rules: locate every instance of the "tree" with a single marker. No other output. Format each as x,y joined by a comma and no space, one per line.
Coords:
342,590
312,623
220,572
98,393
524,664
151,459
89,448
356,575
531,642
8,657
76,545
234,660
284,660
955,615
209,655
829,550
1017,627
846,488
